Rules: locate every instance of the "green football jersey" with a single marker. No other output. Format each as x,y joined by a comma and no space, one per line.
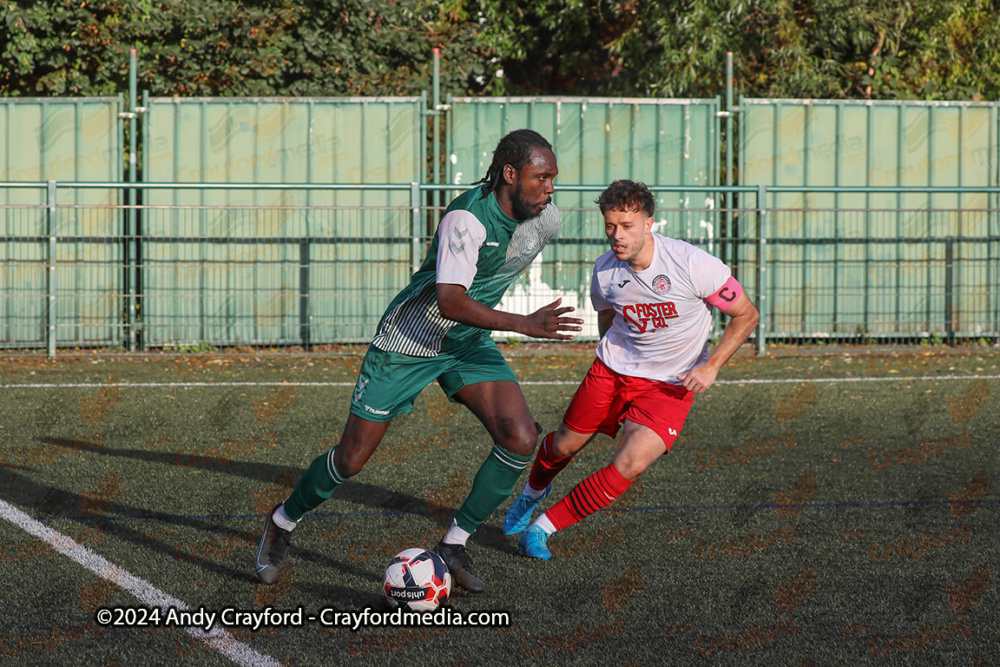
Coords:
476,245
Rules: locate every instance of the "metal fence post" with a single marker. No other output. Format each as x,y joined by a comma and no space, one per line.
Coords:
130,245
51,222
131,272
949,287
415,227
305,317
436,123
729,199
761,285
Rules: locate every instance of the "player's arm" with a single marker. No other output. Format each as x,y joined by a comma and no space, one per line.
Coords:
605,318
733,301
460,236
546,322
605,309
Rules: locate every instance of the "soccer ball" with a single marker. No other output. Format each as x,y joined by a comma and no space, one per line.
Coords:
416,580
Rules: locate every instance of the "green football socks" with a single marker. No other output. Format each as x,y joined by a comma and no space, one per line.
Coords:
317,484
493,484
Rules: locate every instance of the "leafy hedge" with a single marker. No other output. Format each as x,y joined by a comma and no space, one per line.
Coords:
224,48
947,49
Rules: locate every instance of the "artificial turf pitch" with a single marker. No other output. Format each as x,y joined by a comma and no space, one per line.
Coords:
818,510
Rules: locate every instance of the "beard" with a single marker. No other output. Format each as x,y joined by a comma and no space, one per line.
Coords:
522,210
631,252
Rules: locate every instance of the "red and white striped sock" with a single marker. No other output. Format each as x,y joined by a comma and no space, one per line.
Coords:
594,493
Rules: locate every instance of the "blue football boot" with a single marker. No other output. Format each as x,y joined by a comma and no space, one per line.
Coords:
532,544
519,515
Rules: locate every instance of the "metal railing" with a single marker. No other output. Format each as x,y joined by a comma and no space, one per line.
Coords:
136,276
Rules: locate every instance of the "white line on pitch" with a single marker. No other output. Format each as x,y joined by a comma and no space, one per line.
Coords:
144,591
896,378
96,385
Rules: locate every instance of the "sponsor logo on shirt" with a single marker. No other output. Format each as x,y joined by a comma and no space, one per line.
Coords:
641,315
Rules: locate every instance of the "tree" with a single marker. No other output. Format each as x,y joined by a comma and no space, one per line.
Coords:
221,48
782,48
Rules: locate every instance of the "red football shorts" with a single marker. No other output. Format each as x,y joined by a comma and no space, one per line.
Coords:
605,399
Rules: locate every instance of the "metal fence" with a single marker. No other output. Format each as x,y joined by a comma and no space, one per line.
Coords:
851,220
875,274
71,140
231,274
911,145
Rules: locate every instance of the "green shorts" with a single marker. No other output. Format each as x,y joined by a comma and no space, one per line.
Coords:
389,382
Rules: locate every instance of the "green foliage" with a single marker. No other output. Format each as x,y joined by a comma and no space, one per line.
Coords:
782,48
201,348
220,48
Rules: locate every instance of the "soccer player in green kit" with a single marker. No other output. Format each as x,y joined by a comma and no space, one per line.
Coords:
438,328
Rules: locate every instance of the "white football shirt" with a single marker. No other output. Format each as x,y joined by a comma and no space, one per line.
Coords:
662,320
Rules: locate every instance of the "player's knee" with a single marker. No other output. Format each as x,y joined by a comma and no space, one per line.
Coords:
631,470
349,463
566,443
562,450
520,441
633,474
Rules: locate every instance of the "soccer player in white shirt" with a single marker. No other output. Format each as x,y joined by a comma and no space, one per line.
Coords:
654,296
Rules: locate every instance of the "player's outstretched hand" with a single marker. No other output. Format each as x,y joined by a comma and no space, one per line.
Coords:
699,379
549,322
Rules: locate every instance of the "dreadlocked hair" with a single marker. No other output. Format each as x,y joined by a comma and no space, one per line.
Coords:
514,149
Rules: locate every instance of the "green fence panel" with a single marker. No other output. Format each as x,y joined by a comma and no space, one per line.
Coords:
881,269
292,220
596,141
226,265
61,139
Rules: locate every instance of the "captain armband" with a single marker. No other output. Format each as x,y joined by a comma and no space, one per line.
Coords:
727,295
